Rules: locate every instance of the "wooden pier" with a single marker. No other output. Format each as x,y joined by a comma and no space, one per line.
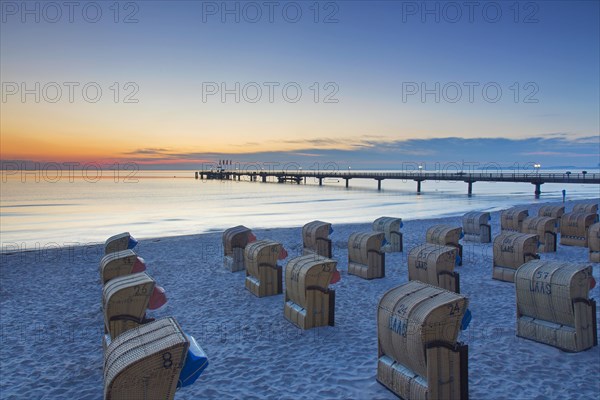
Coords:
535,178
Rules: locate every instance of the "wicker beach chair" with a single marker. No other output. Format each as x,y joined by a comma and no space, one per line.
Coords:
145,363
574,228
476,227
315,238
235,241
434,264
446,235
390,226
263,275
545,228
511,250
120,242
125,301
120,263
552,212
553,304
365,258
309,302
586,207
594,242
512,218
419,357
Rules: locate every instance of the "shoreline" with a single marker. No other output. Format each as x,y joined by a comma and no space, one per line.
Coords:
51,324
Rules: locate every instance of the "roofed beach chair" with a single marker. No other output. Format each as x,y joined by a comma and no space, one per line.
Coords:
235,241
365,257
553,304
574,228
125,301
511,250
120,242
419,357
309,302
594,242
446,235
151,362
120,263
263,274
434,264
315,238
512,218
476,227
586,207
545,228
390,226
552,212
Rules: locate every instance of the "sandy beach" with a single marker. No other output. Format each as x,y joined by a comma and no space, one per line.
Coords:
51,324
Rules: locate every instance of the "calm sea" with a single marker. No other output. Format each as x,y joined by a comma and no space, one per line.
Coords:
167,203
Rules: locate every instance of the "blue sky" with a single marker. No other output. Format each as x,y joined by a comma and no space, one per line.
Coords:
545,61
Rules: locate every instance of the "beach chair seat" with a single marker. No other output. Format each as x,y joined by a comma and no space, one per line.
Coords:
235,241
315,238
512,218
419,356
120,263
309,302
151,362
125,301
575,226
120,242
546,230
553,304
594,242
446,235
434,264
390,226
511,250
263,274
476,227
365,257
552,212
586,207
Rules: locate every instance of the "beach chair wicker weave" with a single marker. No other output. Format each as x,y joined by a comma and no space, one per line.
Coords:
552,212
125,301
545,228
586,207
390,226
553,304
574,228
434,264
309,302
263,275
511,250
476,227
512,218
120,263
418,353
446,235
594,242
145,363
315,238
365,258
235,241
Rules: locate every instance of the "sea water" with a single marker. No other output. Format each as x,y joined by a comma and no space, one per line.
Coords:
35,212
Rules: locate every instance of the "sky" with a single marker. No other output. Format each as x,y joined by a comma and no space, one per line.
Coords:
371,84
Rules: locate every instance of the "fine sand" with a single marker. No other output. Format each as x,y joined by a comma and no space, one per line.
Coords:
51,325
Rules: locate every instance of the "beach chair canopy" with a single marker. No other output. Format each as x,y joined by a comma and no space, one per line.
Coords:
122,241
